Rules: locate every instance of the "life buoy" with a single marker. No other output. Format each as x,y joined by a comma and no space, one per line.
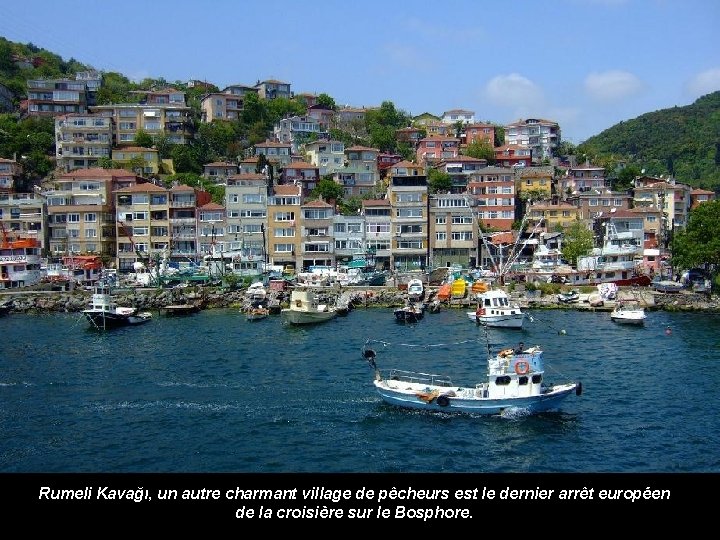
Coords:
443,401
522,367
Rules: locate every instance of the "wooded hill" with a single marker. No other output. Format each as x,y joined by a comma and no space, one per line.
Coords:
681,141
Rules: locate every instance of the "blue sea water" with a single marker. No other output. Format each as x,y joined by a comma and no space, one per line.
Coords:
212,392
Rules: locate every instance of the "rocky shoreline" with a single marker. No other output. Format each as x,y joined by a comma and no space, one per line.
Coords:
349,297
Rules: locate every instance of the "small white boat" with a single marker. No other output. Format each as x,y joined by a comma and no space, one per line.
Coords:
415,290
515,382
256,292
625,313
495,310
306,309
104,313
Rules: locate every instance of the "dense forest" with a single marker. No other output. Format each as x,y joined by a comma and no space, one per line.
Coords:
682,141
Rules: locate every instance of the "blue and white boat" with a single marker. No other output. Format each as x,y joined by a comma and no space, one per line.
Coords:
515,384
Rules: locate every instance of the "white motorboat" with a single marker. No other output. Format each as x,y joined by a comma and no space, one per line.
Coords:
625,313
495,310
305,308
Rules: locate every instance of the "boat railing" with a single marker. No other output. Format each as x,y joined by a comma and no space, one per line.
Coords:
420,378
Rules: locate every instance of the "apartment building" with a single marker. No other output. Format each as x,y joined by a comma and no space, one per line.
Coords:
409,219
302,174
246,204
297,130
171,120
143,161
542,137
53,97
327,155
378,230
143,234
81,210
81,140
452,230
23,215
9,172
318,243
283,236
360,175
491,192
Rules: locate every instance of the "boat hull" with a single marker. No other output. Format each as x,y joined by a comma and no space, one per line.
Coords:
503,320
467,401
629,320
111,320
307,317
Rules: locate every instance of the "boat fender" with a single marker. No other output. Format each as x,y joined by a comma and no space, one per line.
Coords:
443,401
578,389
522,367
480,312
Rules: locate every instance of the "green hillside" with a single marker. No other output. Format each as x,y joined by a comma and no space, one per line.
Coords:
681,141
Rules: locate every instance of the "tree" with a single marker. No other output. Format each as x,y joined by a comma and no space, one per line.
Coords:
698,245
626,178
438,181
329,190
577,241
326,101
143,139
481,149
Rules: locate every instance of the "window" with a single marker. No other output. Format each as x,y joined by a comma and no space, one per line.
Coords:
90,233
462,220
139,216
285,216
440,220
462,235
250,198
410,244
279,233
409,212
409,197
140,231
324,247
91,217
441,236
317,214
73,218
283,248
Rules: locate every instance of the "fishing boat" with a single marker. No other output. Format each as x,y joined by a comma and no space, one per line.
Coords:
515,383
104,313
175,310
305,308
411,313
495,310
628,313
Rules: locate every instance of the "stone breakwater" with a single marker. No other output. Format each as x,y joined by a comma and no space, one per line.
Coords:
349,297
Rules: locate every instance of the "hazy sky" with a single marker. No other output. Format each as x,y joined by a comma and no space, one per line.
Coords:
586,64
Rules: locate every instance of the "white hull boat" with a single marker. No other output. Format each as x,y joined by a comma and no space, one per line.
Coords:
305,309
495,310
624,314
515,383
